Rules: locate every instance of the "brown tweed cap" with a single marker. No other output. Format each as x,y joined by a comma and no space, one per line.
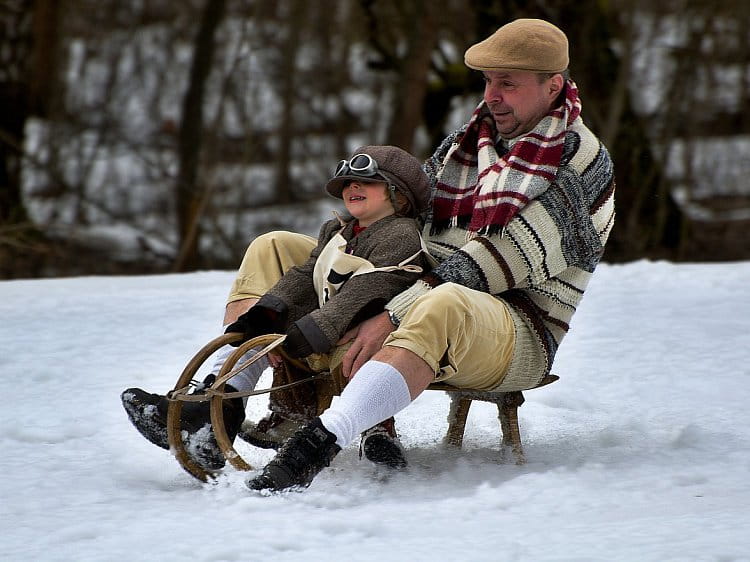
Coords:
524,44
396,167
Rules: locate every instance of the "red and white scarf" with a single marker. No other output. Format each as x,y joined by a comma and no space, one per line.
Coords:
481,191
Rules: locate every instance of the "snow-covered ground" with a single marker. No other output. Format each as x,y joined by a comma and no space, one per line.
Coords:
641,452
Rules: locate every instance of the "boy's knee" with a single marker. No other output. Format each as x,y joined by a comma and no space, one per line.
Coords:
269,242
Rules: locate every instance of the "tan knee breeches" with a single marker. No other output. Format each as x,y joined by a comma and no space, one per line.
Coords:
466,336
266,260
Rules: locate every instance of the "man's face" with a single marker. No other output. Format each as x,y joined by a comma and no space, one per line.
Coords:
518,100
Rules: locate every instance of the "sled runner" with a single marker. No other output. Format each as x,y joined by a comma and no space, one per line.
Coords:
507,402
216,395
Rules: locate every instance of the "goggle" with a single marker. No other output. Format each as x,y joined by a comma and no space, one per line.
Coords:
360,165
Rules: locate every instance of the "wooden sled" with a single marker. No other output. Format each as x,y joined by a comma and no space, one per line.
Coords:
461,398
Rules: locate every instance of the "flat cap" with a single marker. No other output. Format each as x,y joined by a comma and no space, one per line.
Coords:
524,44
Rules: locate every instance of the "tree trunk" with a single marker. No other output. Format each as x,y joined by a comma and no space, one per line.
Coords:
190,196
288,90
412,82
15,61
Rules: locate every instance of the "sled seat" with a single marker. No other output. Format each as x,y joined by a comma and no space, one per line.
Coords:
507,406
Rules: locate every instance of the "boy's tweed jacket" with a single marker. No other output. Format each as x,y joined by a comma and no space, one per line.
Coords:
386,242
541,264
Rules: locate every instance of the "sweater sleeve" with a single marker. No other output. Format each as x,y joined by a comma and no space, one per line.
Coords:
295,289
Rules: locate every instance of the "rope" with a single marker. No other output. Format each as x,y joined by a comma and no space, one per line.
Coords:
181,394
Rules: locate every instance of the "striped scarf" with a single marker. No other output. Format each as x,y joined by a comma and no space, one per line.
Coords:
480,190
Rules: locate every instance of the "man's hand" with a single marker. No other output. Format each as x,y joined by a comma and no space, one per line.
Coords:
367,339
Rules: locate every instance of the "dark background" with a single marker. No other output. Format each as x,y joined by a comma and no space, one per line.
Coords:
159,136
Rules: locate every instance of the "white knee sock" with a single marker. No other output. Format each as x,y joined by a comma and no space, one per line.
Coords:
377,392
246,379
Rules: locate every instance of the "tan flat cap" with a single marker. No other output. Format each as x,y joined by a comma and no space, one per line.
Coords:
524,44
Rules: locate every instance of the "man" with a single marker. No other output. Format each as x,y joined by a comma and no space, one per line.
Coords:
522,206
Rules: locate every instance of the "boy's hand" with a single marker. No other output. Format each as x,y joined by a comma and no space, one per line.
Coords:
257,321
296,344
274,359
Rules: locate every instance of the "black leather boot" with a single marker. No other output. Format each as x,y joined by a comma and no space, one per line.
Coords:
148,413
299,460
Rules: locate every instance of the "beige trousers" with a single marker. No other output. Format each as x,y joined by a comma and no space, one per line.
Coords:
467,337
266,259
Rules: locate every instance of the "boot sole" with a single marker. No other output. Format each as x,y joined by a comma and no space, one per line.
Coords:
146,418
142,417
383,450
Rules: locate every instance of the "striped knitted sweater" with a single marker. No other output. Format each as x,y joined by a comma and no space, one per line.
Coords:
542,263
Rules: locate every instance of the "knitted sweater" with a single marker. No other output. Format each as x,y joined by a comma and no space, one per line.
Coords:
541,265
386,242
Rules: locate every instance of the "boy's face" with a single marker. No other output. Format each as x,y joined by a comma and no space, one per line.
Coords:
367,201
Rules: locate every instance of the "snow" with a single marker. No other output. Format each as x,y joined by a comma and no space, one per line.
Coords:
640,452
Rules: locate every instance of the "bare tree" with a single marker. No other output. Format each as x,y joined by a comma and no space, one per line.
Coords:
287,80
413,67
15,63
190,198
29,32
404,36
161,140
647,218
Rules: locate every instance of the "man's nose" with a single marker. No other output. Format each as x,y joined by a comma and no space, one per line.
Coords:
492,94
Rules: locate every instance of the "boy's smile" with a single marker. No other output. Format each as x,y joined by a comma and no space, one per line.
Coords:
367,201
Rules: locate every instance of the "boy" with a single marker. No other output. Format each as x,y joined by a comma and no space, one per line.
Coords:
355,268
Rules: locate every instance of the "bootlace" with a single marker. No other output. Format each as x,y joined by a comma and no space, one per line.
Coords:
310,448
200,387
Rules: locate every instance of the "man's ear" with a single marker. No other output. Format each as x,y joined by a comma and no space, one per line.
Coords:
556,84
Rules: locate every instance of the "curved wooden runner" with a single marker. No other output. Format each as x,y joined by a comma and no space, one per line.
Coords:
216,395
217,411
174,412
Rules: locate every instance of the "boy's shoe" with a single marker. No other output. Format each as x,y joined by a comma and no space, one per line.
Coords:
270,432
380,444
148,413
299,460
